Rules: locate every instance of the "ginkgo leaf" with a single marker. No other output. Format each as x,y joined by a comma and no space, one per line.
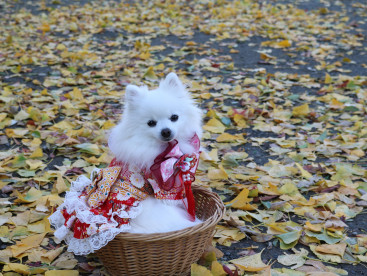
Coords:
214,125
19,268
36,153
288,240
60,185
198,270
34,164
304,173
328,79
313,227
240,120
302,110
5,255
226,137
149,74
27,243
325,257
298,259
284,43
323,237
217,269
32,195
76,94
289,189
335,249
230,159
219,173
250,263
4,218
89,148
241,201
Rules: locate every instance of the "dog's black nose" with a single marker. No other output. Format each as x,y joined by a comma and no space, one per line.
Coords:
166,133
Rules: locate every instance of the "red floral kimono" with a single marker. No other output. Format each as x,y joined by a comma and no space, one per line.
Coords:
96,210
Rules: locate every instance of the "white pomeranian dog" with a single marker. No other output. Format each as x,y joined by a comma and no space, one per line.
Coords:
150,120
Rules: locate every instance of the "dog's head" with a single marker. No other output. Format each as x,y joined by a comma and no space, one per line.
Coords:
165,113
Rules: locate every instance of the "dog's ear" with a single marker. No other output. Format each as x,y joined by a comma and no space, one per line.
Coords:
173,83
172,80
132,93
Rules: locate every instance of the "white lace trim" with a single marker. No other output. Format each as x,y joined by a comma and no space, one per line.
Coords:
73,203
93,243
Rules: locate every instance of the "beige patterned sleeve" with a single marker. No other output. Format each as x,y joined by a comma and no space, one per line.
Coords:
101,186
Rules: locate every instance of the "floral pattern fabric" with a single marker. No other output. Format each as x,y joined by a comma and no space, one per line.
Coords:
112,194
96,210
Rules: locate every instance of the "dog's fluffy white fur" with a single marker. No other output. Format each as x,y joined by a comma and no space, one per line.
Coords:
151,119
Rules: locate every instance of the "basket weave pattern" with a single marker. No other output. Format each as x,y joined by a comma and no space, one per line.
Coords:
169,253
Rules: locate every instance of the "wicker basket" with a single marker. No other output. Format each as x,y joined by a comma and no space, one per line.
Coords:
169,253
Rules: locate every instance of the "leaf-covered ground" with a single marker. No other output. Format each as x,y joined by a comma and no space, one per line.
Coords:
283,86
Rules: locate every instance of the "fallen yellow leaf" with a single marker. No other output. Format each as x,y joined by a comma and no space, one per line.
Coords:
240,120
27,243
34,164
334,249
301,110
32,195
215,174
196,270
241,201
19,268
149,74
226,137
60,185
217,269
328,79
335,104
214,126
76,94
304,173
250,263
37,153
284,44
313,227
45,28
5,255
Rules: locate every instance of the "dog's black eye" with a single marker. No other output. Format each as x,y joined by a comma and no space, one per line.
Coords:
152,123
174,118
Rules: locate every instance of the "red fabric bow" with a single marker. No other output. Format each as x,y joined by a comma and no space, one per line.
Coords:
172,164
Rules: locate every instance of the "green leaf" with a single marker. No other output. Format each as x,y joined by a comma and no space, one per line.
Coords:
33,194
26,173
322,136
36,134
351,85
323,237
267,204
285,246
73,70
19,161
350,109
290,237
226,121
89,148
19,231
230,158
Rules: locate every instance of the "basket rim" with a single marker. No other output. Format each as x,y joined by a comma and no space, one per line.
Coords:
210,222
